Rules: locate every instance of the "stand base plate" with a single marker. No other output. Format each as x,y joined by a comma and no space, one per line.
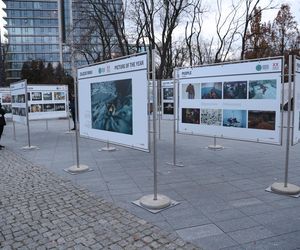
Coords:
290,189
215,147
155,206
78,169
30,147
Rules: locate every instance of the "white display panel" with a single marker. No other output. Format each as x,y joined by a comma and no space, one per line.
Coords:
236,101
296,127
167,101
47,101
112,100
18,92
5,100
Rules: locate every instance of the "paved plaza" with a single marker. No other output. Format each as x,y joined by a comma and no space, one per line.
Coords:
223,202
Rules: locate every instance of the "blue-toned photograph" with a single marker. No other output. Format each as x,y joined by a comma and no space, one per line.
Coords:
168,93
262,89
211,90
234,118
235,90
111,106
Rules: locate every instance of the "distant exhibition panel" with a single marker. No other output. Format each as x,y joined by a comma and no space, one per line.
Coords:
167,99
113,101
235,100
19,102
5,100
47,101
296,127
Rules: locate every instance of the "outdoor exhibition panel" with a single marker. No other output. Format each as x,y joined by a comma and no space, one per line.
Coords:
167,101
47,101
5,100
19,102
112,99
235,100
296,129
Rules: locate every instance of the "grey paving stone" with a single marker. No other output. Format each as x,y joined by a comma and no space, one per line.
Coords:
38,208
250,234
195,233
236,224
217,242
223,186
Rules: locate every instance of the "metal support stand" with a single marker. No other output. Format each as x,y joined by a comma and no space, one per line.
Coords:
154,202
29,146
174,163
215,146
108,148
158,104
279,187
69,126
78,168
14,131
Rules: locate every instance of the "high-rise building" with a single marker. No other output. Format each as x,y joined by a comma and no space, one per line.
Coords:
40,30
33,33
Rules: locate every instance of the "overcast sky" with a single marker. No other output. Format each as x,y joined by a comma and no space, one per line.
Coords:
210,18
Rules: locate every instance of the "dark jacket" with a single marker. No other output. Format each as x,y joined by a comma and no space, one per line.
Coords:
2,118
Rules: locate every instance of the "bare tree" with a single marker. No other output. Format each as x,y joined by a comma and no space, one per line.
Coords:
251,11
100,29
193,29
156,20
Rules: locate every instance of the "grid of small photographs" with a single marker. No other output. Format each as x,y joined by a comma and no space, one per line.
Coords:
253,89
234,118
231,90
38,99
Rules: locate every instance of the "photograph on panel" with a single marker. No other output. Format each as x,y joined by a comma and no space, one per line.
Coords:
111,106
47,96
262,89
211,117
235,90
258,119
59,107
14,99
59,95
7,108
211,90
14,111
168,93
21,98
36,96
6,98
22,112
191,115
234,118
168,108
191,91
48,107
36,108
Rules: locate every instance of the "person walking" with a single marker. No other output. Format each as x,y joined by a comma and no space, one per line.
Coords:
2,122
72,109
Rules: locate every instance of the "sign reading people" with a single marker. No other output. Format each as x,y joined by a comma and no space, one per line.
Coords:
296,130
233,100
19,102
112,99
167,99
